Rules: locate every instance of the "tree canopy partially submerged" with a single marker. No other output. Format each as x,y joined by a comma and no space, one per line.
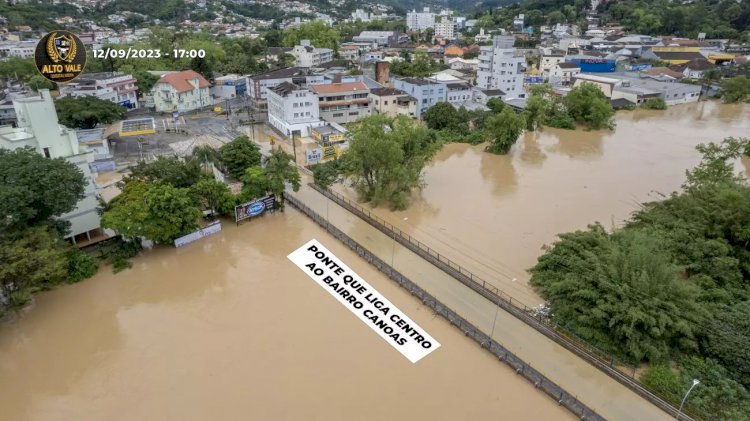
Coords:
386,158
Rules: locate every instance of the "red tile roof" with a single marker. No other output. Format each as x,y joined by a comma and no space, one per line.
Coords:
338,87
179,80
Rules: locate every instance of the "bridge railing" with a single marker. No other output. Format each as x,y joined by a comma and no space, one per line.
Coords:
522,368
621,371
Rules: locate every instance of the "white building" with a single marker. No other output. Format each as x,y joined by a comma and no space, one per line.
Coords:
116,87
563,73
446,28
419,21
482,37
501,67
360,14
21,49
181,91
229,86
38,127
292,108
306,55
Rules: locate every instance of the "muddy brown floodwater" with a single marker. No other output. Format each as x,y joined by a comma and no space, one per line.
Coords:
492,214
228,329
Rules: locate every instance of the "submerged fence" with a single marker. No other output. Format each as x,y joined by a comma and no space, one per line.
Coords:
610,365
521,368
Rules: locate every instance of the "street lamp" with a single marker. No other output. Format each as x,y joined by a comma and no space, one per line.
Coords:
696,382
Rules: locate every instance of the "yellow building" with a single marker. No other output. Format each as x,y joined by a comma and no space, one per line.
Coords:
327,135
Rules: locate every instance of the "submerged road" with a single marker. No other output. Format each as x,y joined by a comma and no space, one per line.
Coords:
603,394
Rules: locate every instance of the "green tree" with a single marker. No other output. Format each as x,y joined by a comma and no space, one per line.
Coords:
33,258
535,112
587,105
505,128
212,195
34,189
325,174
386,157
38,82
239,155
87,111
619,292
736,89
279,170
22,69
255,183
556,17
80,265
318,32
728,340
654,104
443,116
158,212
496,105
168,170
207,156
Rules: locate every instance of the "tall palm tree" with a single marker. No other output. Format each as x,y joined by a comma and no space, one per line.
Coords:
206,155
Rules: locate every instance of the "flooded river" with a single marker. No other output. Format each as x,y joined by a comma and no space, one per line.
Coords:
492,214
228,329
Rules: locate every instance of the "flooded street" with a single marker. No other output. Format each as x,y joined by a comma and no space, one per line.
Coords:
228,328
492,214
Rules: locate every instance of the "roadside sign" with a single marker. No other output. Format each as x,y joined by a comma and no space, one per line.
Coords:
314,155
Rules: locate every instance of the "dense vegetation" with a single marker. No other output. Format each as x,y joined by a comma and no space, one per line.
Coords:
670,287
164,199
34,191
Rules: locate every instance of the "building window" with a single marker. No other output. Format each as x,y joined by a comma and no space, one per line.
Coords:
385,103
338,115
354,113
296,115
46,153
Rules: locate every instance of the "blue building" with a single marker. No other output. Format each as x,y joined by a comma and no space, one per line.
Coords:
426,92
594,64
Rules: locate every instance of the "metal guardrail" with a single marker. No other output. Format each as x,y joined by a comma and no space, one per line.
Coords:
598,358
539,380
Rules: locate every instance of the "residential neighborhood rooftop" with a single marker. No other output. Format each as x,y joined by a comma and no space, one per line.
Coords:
180,80
338,87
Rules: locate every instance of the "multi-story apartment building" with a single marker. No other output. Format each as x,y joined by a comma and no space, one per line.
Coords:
501,67
458,94
360,14
426,93
445,28
258,84
20,49
392,102
381,38
419,21
306,55
38,127
181,91
116,87
293,108
343,102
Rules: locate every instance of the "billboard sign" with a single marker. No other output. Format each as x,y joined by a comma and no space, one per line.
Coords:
328,151
535,79
640,67
254,208
314,155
